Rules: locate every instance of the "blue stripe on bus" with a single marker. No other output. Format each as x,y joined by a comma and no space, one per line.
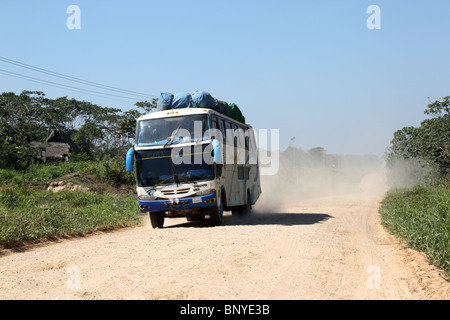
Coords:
184,203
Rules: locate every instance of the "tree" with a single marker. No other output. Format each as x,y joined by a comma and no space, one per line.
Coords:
30,116
429,143
439,108
147,106
127,123
19,125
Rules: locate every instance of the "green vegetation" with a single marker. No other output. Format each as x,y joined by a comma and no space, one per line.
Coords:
28,212
422,155
30,117
110,170
419,161
31,212
421,217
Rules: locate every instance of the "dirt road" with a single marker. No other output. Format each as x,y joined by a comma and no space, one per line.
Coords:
321,248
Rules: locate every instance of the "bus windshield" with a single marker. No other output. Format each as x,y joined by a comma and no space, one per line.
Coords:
172,129
155,167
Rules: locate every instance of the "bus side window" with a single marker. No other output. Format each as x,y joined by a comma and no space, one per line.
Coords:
214,125
253,145
249,139
222,129
242,137
205,124
239,132
214,122
236,135
228,127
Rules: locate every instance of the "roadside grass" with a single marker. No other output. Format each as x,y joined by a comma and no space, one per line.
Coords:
29,215
28,212
109,171
421,217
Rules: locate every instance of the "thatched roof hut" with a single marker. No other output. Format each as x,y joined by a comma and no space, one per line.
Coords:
58,145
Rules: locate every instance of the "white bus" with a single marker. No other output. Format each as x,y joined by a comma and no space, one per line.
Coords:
193,163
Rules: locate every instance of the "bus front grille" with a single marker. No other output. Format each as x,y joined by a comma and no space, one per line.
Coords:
171,192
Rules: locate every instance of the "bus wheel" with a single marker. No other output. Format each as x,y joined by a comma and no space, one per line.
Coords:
247,209
244,210
216,214
157,219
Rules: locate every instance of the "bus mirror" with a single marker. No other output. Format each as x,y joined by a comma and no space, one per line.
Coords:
217,151
130,159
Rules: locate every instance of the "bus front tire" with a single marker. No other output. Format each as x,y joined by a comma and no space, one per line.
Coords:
216,214
157,219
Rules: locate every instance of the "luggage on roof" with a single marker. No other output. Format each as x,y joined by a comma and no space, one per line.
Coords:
164,101
220,106
233,111
182,100
199,99
203,99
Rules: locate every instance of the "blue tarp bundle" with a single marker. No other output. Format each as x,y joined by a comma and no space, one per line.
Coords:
165,101
198,99
182,100
203,99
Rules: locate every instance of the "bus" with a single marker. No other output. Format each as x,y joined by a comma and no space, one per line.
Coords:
194,163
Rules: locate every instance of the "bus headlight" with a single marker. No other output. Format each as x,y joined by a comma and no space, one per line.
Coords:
205,192
146,197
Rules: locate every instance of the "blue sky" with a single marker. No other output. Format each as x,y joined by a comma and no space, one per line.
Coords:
309,68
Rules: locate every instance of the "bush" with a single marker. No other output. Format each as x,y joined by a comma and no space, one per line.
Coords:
109,170
17,157
421,217
112,170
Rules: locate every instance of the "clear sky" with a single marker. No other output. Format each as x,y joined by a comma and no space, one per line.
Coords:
309,68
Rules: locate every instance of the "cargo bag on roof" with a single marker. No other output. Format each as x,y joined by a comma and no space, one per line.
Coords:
182,100
232,111
202,99
164,101
199,99
220,106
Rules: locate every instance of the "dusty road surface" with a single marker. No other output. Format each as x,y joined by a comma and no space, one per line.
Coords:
320,248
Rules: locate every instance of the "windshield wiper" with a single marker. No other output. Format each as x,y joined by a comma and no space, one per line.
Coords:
161,182
171,140
175,175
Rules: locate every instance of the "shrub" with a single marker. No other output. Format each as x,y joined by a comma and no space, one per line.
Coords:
421,217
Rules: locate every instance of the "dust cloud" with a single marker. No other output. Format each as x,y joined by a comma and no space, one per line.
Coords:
405,173
305,175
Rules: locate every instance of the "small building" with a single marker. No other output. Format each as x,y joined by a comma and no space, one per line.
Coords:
58,146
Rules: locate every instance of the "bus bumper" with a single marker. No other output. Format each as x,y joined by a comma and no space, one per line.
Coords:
178,204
